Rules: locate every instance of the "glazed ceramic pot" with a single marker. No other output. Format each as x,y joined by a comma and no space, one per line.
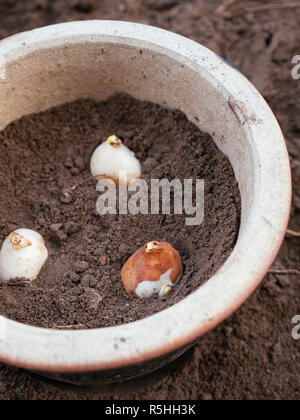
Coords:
94,59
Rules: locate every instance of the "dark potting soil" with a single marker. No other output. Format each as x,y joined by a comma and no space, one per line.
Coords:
44,155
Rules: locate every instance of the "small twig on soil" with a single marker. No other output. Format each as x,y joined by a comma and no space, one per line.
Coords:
221,9
283,272
69,327
85,181
266,8
13,283
292,233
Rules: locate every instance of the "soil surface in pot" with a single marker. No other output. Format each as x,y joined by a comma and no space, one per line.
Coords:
45,154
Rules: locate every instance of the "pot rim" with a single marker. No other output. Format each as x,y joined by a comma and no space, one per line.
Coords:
121,346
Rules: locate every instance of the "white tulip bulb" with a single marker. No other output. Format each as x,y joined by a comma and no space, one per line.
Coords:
22,256
112,159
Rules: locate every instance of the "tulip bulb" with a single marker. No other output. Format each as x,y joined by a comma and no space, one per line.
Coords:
152,270
112,159
22,256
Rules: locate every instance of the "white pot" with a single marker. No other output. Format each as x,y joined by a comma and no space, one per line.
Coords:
94,59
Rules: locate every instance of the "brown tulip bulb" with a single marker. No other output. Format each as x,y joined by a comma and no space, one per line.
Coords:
152,270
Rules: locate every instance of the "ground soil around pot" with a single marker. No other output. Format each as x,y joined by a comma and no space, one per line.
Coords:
252,355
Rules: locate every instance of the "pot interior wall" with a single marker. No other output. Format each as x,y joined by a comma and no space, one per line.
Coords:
55,75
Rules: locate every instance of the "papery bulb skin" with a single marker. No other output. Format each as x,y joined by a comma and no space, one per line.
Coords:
112,159
22,255
152,270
